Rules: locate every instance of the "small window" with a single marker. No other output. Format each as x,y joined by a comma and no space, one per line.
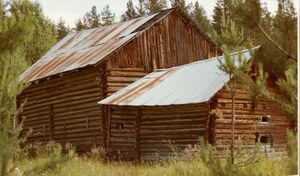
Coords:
120,126
263,139
245,105
266,119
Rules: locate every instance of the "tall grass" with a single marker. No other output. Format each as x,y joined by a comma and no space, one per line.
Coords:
198,160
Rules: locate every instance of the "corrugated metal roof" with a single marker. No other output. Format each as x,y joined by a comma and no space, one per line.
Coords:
83,48
192,83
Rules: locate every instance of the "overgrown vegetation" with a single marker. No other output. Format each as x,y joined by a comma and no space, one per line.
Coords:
195,160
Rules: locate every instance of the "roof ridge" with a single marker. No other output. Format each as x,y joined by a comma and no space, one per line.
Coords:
207,60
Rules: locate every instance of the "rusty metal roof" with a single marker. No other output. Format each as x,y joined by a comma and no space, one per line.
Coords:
80,49
192,83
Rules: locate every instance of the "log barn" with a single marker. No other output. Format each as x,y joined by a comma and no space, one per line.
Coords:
181,104
87,66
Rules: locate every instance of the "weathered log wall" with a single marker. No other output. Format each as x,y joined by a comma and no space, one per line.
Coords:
170,42
65,109
151,132
248,124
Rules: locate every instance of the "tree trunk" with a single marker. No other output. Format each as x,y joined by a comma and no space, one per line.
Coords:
232,126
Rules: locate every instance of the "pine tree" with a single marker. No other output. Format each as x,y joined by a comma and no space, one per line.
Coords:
222,7
182,5
15,29
107,16
43,29
90,20
130,12
200,17
93,18
62,29
217,17
232,39
79,25
141,9
153,6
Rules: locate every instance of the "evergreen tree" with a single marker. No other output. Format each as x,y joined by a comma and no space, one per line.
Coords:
153,6
141,9
200,17
222,7
217,17
232,39
62,29
182,5
107,16
43,29
15,30
130,12
79,25
90,20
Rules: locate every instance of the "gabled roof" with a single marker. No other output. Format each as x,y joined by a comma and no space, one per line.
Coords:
88,47
197,82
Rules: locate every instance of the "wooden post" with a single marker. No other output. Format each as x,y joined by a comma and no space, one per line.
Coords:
137,132
104,124
108,116
51,123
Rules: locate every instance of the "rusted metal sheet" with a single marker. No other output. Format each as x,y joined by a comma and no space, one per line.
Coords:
192,83
83,48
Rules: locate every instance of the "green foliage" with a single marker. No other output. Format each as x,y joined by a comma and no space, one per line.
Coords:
62,29
277,57
182,5
199,16
152,6
293,153
141,10
107,16
43,29
52,163
12,64
90,20
130,13
219,10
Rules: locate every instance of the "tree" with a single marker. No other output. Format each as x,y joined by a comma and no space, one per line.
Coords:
90,20
217,16
130,12
153,6
93,18
182,5
107,16
79,25
221,8
15,29
62,29
278,54
141,9
200,17
43,29
232,39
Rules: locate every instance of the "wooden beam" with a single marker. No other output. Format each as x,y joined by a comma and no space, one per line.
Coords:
137,132
51,119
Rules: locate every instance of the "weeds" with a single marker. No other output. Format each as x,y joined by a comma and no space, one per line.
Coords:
195,160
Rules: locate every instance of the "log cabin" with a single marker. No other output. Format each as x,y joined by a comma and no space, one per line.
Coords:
181,104
87,66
